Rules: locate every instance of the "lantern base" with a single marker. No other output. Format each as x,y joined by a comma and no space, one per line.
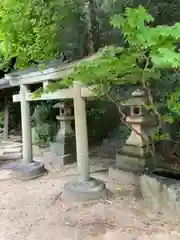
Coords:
64,152
130,163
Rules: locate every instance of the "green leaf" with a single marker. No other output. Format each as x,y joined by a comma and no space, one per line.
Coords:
117,21
161,136
173,102
167,118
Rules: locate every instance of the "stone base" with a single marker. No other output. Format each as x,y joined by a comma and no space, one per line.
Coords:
67,159
38,152
124,182
161,194
63,153
130,163
83,191
58,161
121,176
29,171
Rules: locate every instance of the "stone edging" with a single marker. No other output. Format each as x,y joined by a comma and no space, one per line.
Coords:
161,194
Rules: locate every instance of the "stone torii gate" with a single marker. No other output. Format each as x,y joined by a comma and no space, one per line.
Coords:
84,187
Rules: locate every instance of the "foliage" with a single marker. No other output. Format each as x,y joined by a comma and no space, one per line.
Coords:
100,122
173,102
146,45
43,135
146,52
44,124
41,113
166,12
123,132
163,90
35,31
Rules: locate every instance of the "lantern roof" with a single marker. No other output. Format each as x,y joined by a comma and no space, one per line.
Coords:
139,98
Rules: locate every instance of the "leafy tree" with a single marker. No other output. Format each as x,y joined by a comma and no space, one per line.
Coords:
147,51
35,31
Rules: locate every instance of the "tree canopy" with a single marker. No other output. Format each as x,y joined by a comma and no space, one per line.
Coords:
34,31
147,51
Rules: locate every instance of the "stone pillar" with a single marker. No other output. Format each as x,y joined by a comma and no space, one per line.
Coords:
83,165
27,169
135,153
6,119
64,146
26,126
84,188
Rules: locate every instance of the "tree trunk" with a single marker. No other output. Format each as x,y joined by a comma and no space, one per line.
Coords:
91,26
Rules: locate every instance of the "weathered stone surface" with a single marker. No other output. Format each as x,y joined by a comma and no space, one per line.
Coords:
122,176
65,151
161,194
80,191
10,150
39,152
123,181
28,171
150,189
130,163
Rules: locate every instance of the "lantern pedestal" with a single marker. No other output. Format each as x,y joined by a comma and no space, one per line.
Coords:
130,163
64,148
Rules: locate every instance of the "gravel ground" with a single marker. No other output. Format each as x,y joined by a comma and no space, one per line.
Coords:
34,211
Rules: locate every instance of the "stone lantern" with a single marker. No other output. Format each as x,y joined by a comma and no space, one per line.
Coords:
135,153
64,145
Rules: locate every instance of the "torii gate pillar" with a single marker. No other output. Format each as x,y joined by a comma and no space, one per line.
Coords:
84,188
27,169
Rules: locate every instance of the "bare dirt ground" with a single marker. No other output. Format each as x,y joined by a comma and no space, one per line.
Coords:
34,210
